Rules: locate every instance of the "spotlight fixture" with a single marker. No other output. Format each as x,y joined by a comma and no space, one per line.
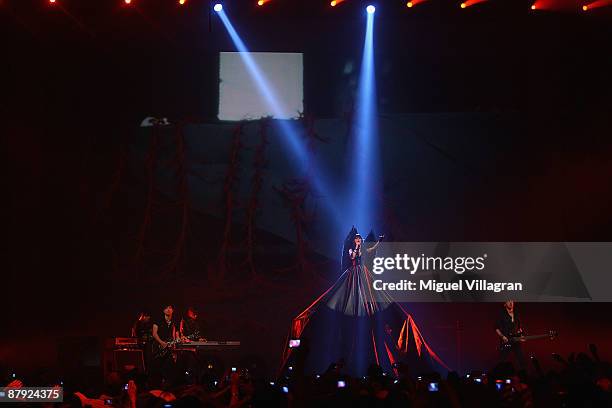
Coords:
409,4
533,6
261,2
218,7
591,5
470,3
52,1
127,1
181,2
370,9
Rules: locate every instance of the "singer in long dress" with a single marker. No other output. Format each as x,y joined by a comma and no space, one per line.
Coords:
356,297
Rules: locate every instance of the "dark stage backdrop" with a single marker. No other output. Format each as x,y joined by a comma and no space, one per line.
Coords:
445,177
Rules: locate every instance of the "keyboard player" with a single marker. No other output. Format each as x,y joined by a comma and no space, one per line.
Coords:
190,331
190,327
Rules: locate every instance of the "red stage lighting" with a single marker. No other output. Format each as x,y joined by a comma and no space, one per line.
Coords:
469,3
567,6
413,3
181,2
52,1
127,1
334,3
596,4
262,2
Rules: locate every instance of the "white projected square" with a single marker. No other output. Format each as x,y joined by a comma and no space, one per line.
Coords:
240,97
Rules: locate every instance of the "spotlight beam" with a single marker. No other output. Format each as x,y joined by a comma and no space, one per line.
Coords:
304,161
365,150
413,3
596,4
469,3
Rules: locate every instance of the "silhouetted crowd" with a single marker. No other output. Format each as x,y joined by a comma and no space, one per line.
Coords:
580,380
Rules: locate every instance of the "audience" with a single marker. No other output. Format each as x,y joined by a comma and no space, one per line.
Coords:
581,380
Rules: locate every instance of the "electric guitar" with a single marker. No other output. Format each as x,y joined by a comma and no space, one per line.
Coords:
516,338
161,352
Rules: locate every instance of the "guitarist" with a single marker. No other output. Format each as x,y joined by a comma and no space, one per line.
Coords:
164,334
509,328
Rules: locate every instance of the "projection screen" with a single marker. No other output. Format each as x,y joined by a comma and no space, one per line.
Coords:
241,98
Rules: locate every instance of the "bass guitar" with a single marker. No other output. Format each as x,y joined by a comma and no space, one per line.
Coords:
516,338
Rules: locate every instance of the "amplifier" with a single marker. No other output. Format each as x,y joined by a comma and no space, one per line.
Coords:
121,342
114,343
123,361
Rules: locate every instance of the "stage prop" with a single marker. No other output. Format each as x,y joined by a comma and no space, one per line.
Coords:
355,326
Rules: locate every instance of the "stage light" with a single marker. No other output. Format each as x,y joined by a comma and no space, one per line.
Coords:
218,7
127,1
596,4
304,162
533,6
414,3
334,3
52,1
470,3
181,2
365,145
262,2
370,9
